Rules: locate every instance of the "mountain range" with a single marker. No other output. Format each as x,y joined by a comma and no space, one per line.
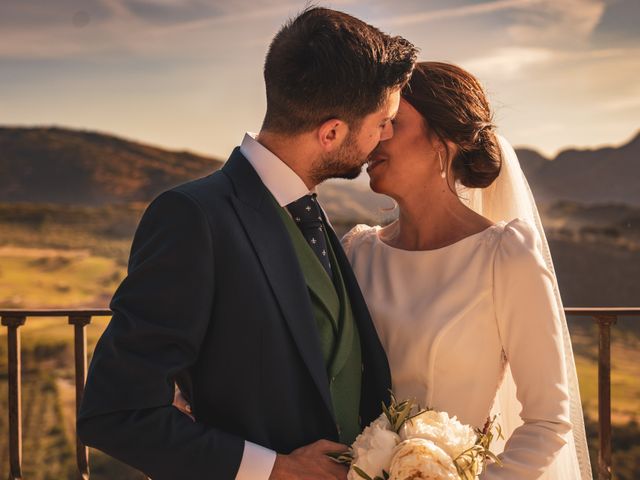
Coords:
57,165
602,175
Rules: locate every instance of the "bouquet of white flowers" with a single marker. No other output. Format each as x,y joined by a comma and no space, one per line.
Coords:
408,443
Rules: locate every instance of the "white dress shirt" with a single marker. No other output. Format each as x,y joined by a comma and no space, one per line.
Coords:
286,186
283,183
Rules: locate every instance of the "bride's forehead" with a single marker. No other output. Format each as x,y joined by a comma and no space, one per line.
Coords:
406,108
407,114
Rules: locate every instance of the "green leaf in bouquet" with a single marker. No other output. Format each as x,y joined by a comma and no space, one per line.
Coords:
399,413
468,463
344,458
361,472
402,416
493,457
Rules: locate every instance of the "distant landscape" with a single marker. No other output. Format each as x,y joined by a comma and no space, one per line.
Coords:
70,201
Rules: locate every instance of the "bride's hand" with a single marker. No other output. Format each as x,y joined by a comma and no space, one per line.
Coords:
181,404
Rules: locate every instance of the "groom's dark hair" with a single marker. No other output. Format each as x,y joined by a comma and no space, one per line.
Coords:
326,64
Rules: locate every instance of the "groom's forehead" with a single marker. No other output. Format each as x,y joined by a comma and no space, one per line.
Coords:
392,103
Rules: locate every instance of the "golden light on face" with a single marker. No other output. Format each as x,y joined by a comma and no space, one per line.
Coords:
348,160
406,159
377,127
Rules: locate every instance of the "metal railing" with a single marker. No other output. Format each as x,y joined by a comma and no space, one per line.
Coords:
606,317
13,319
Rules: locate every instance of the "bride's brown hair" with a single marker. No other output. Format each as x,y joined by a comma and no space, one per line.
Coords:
455,108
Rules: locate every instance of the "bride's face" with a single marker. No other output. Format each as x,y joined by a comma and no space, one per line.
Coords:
408,161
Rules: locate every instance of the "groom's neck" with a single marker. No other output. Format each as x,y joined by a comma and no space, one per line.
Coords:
296,152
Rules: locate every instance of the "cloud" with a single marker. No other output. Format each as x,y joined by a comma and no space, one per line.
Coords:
458,12
512,62
508,61
619,23
590,93
553,23
142,27
526,22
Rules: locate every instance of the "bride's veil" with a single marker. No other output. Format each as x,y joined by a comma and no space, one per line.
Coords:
507,198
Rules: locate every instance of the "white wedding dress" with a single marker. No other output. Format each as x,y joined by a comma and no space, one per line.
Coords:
476,328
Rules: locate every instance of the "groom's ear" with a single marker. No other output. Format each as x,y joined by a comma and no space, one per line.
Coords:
332,133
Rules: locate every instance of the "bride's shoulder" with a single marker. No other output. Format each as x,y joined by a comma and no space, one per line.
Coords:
357,235
519,232
519,242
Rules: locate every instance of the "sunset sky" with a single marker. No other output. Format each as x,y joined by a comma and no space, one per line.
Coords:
187,74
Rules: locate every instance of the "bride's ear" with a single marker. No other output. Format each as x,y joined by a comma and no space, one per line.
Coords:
446,148
332,133
451,150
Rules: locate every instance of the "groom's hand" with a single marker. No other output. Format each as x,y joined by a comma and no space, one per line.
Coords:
310,463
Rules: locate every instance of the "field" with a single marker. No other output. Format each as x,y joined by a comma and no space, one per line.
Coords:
70,267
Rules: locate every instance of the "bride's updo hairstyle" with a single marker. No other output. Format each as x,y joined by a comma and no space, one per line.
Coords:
455,108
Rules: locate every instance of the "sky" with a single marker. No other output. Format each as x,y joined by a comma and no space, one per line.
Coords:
187,74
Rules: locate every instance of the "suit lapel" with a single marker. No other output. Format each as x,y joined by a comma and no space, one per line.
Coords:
276,254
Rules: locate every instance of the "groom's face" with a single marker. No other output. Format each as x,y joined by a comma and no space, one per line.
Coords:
347,161
376,127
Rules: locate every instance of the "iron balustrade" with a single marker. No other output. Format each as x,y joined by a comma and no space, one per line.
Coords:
13,319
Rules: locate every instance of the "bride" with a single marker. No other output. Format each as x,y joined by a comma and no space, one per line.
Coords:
461,286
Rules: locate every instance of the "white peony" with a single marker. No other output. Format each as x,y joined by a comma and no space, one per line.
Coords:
447,433
420,459
373,449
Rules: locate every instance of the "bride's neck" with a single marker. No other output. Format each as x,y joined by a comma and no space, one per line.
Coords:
430,219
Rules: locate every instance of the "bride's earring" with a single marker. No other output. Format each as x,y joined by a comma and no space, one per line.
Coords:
443,174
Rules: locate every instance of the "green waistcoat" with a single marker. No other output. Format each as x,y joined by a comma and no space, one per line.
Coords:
337,330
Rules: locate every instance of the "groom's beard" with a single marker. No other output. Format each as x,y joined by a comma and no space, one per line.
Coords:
346,162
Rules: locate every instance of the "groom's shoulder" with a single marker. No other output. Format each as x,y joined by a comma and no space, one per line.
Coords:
205,197
214,185
208,191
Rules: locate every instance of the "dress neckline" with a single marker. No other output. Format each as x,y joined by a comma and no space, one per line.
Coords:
440,249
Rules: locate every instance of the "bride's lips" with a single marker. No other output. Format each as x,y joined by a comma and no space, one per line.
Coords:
374,162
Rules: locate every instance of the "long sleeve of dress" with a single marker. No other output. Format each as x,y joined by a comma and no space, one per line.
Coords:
530,332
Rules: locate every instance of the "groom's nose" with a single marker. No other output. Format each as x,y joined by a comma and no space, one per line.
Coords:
387,132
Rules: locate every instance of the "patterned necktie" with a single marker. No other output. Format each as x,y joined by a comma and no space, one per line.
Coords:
306,213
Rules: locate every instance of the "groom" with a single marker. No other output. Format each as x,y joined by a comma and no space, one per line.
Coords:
239,291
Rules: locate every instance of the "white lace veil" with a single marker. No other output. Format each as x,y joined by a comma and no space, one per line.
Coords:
510,197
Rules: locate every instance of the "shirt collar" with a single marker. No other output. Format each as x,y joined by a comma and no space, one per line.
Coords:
283,183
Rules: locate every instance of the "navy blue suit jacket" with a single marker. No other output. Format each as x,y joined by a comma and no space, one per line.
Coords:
215,300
